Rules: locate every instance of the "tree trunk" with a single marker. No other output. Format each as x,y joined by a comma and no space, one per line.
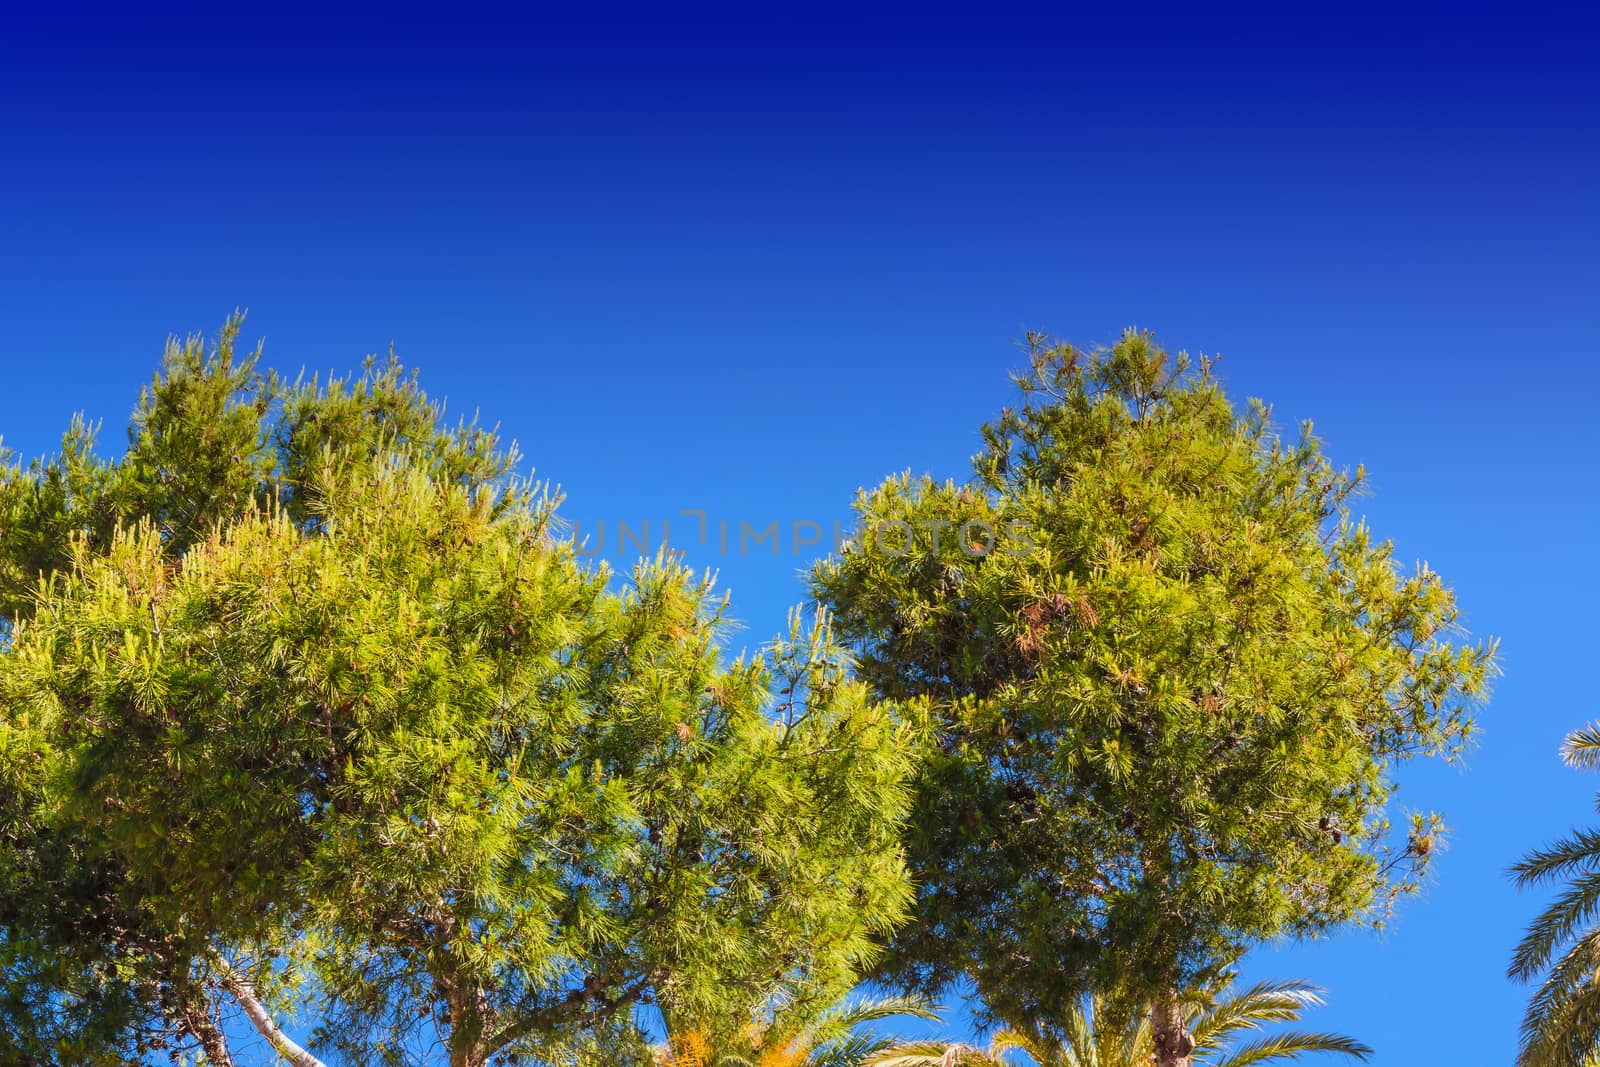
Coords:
464,1053
1172,1039
469,1025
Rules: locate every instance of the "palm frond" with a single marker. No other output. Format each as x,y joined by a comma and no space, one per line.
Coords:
1578,906
1278,1001
1032,1044
1072,1041
1582,748
932,1054
1562,1022
871,1009
1579,853
1094,1035
1561,1026
851,1051
832,1042
1291,1046
1571,1031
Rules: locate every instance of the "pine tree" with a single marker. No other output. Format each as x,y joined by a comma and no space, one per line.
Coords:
1169,679
307,702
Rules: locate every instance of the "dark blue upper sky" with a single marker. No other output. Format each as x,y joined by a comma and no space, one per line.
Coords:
747,263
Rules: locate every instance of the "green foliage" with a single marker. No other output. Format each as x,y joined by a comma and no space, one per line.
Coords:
305,678
1561,949
1169,679
212,437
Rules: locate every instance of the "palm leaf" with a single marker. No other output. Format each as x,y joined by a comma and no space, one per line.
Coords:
844,1017
1291,1046
831,1042
1579,853
934,1054
1582,748
1032,1044
1279,1001
1562,1023
851,1051
1578,906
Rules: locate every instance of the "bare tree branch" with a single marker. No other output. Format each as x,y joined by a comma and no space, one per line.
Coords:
245,994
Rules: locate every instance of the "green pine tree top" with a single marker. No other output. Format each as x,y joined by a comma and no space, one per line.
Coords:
1169,679
305,688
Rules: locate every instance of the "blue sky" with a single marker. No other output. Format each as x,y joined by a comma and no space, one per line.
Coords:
747,263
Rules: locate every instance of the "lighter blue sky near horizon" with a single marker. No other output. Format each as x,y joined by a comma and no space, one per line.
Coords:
747,264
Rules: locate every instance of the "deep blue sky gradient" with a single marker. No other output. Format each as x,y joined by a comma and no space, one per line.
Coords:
749,262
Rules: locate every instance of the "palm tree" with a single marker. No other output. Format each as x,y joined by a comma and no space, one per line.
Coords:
834,1038
1562,1023
1096,1036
